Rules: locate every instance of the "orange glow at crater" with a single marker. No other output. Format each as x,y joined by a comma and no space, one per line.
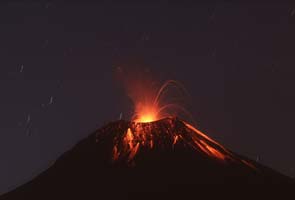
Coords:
150,105
152,102
145,113
146,117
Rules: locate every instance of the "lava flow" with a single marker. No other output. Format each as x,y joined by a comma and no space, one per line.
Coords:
167,134
156,126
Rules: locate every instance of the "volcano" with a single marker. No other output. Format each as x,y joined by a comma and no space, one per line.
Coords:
129,158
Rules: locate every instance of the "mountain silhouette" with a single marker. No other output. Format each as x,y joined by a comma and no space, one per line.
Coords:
125,159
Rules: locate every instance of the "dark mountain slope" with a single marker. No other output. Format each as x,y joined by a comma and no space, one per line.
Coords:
125,159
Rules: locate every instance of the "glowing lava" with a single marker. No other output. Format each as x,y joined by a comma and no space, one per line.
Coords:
169,134
145,118
154,125
145,115
150,106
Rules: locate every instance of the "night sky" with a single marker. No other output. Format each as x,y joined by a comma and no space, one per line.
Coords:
57,66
